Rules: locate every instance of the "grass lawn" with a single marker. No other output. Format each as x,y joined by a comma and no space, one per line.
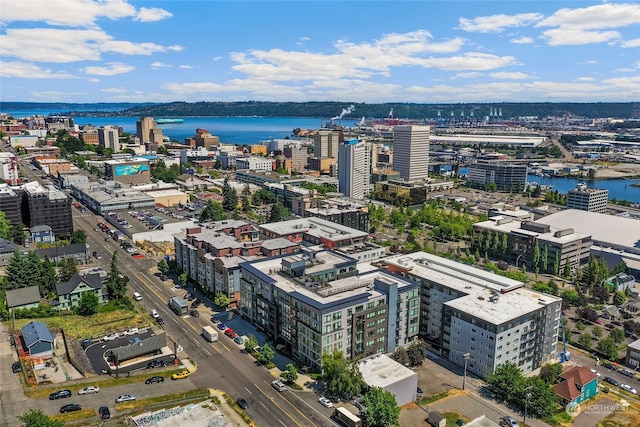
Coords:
143,404
97,325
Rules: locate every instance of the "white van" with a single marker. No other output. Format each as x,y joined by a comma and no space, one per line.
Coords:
137,296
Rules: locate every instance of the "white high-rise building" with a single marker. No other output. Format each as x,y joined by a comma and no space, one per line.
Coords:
354,169
109,137
411,152
325,143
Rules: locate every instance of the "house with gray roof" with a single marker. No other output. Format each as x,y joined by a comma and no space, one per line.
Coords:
69,293
42,234
39,342
77,251
28,297
7,249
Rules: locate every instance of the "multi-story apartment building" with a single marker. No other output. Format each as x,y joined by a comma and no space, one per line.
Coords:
588,199
47,206
147,130
321,301
489,318
298,155
325,143
314,231
254,163
11,203
506,177
561,246
108,137
354,169
411,152
351,213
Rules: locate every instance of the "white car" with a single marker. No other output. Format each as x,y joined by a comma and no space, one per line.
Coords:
131,331
596,372
629,388
154,314
125,398
325,402
89,390
112,337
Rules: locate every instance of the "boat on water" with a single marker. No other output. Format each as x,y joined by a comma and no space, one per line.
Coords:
169,121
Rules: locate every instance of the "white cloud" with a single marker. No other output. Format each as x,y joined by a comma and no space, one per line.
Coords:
522,40
75,13
217,58
30,71
117,90
112,69
152,14
498,23
158,64
93,80
506,75
471,75
52,95
57,45
187,67
631,43
626,70
585,79
587,25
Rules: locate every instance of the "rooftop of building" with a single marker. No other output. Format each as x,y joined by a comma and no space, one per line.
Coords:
34,188
127,160
611,230
381,371
503,224
493,298
317,227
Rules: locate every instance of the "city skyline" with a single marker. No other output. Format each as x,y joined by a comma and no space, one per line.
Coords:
372,52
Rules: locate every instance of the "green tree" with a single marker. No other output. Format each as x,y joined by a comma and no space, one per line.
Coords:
88,304
246,198
67,268
556,263
400,355
551,373
37,418
278,212
619,298
116,284
382,408
341,377
291,374
184,278
544,258
580,326
16,234
221,300
596,331
617,335
266,354
415,352
5,226
229,197
213,211
49,275
566,273
507,380
607,347
585,341
163,267
536,258
251,342
541,399
79,236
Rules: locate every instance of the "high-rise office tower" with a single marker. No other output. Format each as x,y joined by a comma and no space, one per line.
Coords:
148,131
325,143
354,169
108,137
411,152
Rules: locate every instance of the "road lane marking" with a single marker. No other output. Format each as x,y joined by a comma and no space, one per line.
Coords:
278,406
248,391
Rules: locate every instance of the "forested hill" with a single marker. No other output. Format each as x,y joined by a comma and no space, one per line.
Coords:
358,110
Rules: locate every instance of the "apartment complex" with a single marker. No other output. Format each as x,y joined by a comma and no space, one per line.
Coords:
561,245
11,203
254,163
354,169
47,206
473,312
108,137
298,156
506,177
325,143
411,152
320,301
588,199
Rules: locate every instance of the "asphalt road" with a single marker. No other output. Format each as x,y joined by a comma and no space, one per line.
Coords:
221,365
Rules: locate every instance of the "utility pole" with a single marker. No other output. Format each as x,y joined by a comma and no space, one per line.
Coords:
526,401
467,356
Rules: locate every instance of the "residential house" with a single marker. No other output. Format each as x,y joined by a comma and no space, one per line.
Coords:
77,251
42,234
39,342
577,384
7,250
28,297
69,293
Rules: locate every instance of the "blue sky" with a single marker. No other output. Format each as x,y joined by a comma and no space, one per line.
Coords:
352,51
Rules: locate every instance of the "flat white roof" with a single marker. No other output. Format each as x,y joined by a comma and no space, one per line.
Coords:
381,371
604,229
314,226
492,224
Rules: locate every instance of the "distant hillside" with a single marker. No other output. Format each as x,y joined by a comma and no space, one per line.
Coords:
623,110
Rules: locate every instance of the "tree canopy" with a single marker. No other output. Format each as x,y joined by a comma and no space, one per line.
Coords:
341,377
213,211
382,408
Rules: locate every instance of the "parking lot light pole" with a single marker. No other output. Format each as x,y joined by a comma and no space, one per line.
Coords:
526,401
467,356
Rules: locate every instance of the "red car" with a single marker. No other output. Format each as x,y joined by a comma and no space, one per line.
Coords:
230,333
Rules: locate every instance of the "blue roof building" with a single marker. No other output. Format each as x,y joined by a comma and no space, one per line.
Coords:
38,340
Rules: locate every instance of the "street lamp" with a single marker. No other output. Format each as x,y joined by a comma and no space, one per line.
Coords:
526,401
466,356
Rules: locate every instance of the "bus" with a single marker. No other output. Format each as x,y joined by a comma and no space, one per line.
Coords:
178,305
346,417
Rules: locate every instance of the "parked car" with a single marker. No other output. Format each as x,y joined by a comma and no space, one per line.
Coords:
629,388
60,394
611,381
419,392
96,255
70,408
89,390
278,385
154,380
242,403
112,337
325,402
180,375
160,321
627,373
86,343
609,365
125,398
238,340
194,313
132,331
229,332
222,326
156,364
508,421
596,372
154,314
104,413
16,367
